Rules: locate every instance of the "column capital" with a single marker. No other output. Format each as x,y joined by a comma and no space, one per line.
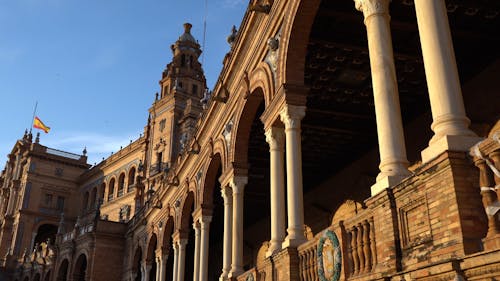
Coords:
238,184
227,194
275,137
291,115
196,225
205,219
372,7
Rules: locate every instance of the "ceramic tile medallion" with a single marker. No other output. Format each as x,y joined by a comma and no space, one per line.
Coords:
329,257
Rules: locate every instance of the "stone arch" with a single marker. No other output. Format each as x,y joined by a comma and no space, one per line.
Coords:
221,148
186,212
45,230
111,188
168,230
297,27
262,77
241,129
85,202
131,176
121,184
136,263
208,183
62,272
151,248
80,268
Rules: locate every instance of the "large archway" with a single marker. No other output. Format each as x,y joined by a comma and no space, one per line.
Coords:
168,246
212,199
45,233
187,232
150,256
80,268
252,151
62,273
136,264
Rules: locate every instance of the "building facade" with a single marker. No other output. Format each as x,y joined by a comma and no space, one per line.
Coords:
343,140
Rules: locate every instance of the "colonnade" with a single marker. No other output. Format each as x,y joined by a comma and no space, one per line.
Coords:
450,126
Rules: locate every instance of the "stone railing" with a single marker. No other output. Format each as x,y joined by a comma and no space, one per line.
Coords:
308,266
486,155
361,251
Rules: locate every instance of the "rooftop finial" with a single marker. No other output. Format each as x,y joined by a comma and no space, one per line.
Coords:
37,140
187,27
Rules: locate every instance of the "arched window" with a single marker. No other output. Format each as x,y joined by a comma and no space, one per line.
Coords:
111,189
183,60
121,184
131,179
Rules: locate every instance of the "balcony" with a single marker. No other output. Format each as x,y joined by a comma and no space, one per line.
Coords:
158,167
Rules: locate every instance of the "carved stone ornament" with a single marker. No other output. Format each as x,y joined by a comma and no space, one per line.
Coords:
372,7
291,116
329,257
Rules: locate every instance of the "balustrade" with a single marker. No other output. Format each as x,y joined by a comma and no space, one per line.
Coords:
361,248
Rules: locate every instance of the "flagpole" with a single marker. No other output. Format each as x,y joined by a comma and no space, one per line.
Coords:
34,113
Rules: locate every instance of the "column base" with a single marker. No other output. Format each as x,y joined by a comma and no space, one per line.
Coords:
234,274
293,242
274,246
386,182
451,143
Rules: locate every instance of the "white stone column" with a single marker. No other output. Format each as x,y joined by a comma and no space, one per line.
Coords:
450,123
228,231
275,137
176,260
158,268
182,259
204,247
393,162
291,116
238,186
196,227
163,267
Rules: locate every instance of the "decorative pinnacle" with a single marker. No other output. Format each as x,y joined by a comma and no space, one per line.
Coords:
187,27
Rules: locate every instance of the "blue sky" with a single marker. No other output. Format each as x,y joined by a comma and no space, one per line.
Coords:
94,65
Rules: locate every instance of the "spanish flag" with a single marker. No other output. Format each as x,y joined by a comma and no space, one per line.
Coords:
37,123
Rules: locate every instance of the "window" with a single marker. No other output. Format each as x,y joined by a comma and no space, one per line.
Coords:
195,90
32,168
48,200
60,203
183,60
162,124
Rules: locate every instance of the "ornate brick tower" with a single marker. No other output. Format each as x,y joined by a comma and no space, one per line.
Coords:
177,107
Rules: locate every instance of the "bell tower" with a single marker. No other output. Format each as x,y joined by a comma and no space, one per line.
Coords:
177,107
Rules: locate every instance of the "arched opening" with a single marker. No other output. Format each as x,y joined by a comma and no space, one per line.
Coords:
136,265
183,60
150,256
167,245
62,274
47,276
37,277
85,203
121,184
80,269
252,149
131,179
45,233
93,198
187,228
212,197
111,189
